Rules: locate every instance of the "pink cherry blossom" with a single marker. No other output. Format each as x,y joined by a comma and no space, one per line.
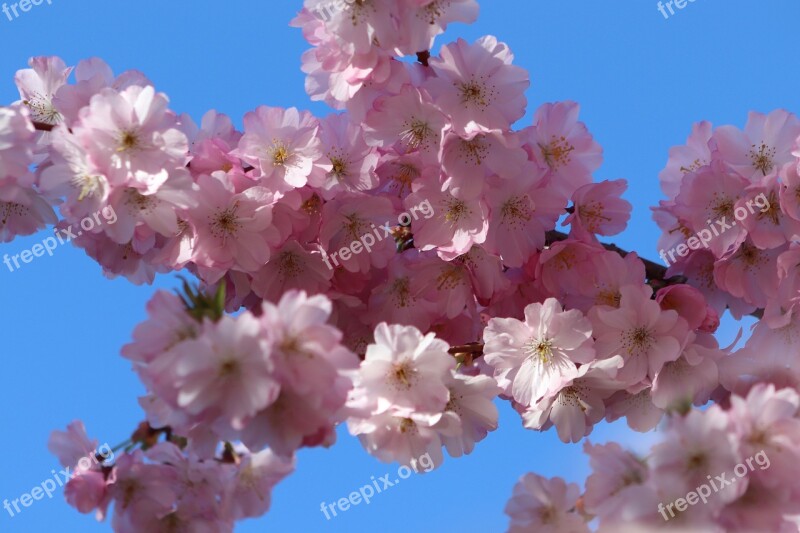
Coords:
765,144
405,373
644,335
39,84
284,145
477,86
562,144
545,505
537,356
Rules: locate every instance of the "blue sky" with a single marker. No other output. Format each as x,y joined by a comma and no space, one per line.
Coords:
642,80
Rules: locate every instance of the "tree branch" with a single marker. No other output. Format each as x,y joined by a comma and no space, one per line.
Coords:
43,126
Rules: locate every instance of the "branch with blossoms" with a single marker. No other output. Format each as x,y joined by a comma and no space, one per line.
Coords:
418,326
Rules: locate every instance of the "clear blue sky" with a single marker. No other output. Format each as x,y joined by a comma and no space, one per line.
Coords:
642,81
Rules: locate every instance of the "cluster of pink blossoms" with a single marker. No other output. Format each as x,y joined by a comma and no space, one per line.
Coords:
164,489
727,470
743,187
409,401
737,190
382,338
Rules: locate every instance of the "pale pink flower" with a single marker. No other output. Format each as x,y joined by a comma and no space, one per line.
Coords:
767,424
407,122
707,202
599,209
232,229
404,296
92,76
359,24
87,492
469,161
405,373
686,300
768,356
225,374
790,192
72,445
686,158
352,161
284,146
749,273
477,86
75,177
157,211
453,227
39,84
521,214
765,144
422,20
126,260
17,144
405,440
249,493
761,214
168,323
545,506
306,349
141,491
349,217
644,335
636,405
562,144
292,267
537,356
446,284
697,445
579,405
23,211
471,409
690,379
617,478
133,135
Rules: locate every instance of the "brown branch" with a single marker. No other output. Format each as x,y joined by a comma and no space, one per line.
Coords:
43,126
423,57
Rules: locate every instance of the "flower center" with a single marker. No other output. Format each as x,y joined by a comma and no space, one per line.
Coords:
128,141
87,184
9,209
225,223
456,211
557,153
416,133
401,292
280,154
516,210
339,169
637,340
541,349
403,375
476,93
762,157
290,265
